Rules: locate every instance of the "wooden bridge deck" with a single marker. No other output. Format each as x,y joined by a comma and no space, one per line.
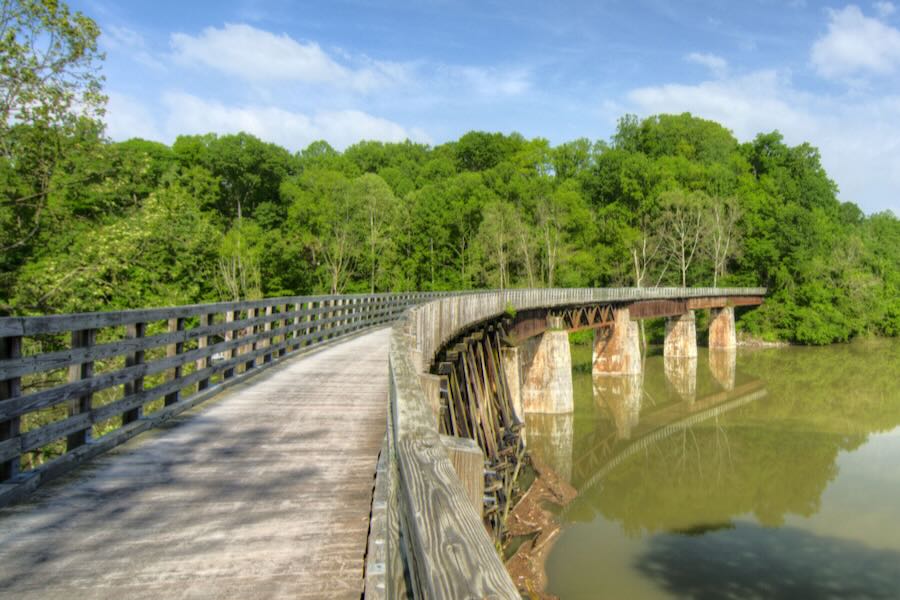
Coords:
264,492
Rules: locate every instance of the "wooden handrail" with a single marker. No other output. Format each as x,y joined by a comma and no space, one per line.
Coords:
120,362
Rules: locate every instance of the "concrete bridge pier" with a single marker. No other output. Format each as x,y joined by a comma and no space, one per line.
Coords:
722,335
680,354
547,376
681,336
617,350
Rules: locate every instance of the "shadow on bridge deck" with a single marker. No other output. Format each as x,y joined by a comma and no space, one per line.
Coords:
264,492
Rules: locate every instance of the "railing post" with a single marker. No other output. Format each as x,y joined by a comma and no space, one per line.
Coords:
203,342
267,357
296,333
252,314
171,351
330,317
81,339
285,322
10,347
135,386
233,352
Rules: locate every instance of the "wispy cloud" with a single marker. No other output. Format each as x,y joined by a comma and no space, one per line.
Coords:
717,65
131,43
488,82
885,9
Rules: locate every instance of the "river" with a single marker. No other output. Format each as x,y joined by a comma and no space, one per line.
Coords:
772,474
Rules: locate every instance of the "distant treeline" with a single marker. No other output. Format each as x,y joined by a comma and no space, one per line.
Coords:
669,200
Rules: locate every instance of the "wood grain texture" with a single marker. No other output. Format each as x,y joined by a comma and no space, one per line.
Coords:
264,493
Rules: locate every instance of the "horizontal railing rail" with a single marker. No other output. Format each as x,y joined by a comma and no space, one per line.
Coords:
75,385
425,532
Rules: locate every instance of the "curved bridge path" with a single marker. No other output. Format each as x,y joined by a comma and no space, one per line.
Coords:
263,491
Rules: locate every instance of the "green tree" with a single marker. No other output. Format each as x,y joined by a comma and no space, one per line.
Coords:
380,206
49,86
327,218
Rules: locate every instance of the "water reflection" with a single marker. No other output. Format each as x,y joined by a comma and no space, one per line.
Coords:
549,437
681,371
753,466
620,395
723,366
749,561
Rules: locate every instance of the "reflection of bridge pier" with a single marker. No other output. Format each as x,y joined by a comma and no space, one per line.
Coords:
621,396
681,372
550,437
723,366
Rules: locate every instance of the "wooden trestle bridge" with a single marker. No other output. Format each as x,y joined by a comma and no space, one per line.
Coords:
340,451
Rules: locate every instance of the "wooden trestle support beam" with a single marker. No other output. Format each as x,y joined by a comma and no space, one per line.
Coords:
476,403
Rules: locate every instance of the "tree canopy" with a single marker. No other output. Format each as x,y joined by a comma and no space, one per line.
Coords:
88,224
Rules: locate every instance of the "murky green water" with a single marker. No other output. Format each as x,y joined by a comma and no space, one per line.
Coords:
777,476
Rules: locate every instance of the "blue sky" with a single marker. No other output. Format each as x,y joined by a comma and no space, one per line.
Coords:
294,72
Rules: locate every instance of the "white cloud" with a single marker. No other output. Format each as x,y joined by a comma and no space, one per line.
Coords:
127,117
885,9
261,56
859,139
856,45
293,130
717,65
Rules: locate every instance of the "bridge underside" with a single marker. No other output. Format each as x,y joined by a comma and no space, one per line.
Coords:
530,323
265,492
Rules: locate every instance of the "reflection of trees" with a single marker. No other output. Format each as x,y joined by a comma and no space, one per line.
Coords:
748,561
846,388
718,469
771,458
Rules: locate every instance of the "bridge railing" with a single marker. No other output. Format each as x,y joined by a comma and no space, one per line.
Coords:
75,385
425,533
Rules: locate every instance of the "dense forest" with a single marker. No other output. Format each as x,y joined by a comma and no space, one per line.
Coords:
90,224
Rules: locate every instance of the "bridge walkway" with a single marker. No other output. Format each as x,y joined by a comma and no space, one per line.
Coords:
262,492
